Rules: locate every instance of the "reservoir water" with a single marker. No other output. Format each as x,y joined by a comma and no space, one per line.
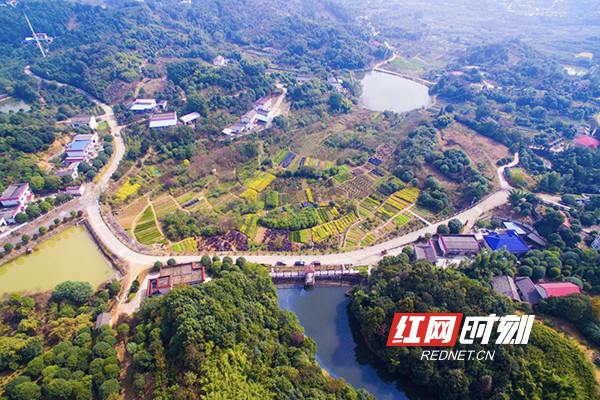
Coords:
13,105
385,92
71,255
322,313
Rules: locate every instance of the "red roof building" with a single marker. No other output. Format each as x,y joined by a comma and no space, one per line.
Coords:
559,289
587,141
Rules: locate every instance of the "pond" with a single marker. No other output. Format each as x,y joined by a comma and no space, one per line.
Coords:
385,92
322,313
70,255
14,105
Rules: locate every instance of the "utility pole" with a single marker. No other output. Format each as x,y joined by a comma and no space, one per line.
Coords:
35,36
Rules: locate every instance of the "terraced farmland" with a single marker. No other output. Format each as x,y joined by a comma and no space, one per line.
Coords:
260,182
334,227
249,227
146,231
128,215
188,244
165,205
127,190
303,236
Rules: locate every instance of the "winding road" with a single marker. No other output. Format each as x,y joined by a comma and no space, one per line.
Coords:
138,262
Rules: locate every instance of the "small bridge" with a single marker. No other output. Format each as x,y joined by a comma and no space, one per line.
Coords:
310,274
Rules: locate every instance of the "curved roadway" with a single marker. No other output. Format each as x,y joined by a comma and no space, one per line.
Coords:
138,262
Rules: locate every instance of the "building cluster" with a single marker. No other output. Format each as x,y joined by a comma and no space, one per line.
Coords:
260,115
191,273
13,201
159,118
523,288
143,106
449,246
41,37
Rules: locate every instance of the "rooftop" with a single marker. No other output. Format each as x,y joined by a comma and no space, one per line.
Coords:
510,240
465,243
514,227
189,117
81,120
425,252
587,141
83,137
529,292
79,145
505,285
102,319
559,288
14,191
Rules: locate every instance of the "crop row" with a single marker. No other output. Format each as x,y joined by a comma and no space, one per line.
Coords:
260,182
249,227
409,194
402,219
303,236
250,194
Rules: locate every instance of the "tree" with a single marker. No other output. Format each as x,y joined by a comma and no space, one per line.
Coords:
114,288
25,238
33,211
443,229
8,247
27,391
42,230
455,226
171,261
538,272
77,292
516,197
45,206
109,388
205,261
123,330
59,389
525,271
21,218
37,183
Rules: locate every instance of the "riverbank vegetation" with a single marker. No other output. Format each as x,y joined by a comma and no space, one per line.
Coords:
547,366
49,349
223,338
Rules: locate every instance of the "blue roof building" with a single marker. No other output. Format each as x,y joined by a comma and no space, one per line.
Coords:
509,240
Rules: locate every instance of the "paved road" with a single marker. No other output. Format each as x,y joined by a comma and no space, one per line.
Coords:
139,262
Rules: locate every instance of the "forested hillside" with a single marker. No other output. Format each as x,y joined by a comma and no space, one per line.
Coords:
101,49
225,338
548,367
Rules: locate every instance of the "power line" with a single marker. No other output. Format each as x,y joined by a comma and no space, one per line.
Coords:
35,36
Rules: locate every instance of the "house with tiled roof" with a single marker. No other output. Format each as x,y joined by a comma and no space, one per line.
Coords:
586,141
458,245
509,241
163,120
558,289
505,285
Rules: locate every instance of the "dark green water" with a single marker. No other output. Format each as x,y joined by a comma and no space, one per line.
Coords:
322,313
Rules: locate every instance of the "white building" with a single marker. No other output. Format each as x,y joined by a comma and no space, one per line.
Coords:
143,105
79,151
92,137
220,61
16,195
264,103
189,118
78,190
86,121
164,120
